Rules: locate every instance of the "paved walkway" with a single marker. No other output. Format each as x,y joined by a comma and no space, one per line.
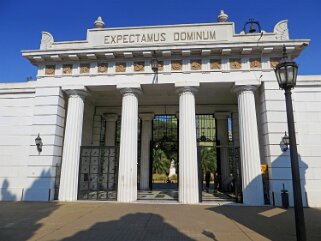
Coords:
91,221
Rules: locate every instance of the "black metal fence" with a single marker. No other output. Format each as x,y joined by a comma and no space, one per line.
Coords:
98,173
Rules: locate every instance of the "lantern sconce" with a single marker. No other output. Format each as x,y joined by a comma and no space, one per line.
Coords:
154,65
285,142
39,143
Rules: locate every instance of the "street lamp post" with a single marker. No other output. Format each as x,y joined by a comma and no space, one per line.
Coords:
286,74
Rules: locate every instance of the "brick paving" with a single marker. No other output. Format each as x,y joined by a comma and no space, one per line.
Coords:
91,221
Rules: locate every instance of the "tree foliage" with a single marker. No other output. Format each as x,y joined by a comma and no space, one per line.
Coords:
161,163
208,159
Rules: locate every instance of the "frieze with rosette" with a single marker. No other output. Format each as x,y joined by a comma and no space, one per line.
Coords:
235,64
215,64
274,62
139,66
120,67
255,63
160,66
67,69
196,64
102,68
50,70
176,65
84,68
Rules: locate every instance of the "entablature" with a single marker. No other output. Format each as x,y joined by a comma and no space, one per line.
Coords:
294,48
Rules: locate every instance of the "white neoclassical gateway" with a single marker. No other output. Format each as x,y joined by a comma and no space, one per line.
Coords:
104,107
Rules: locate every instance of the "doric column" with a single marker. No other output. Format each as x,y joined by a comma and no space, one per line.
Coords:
110,134
249,147
222,136
145,149
127,172
188,167
71,149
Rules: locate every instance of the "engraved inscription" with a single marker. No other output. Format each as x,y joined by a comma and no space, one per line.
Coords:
176,65
196,64
67,69
215,64
50,70
139,66
235,64
255,63
120,67
159,37
84,68
102,68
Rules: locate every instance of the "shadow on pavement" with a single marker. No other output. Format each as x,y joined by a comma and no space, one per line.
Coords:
20,221
272,223
133,227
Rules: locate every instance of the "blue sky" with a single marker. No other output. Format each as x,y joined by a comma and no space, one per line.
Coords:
22,21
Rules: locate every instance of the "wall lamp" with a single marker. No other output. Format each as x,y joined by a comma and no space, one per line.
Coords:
154,65
285,142
39,143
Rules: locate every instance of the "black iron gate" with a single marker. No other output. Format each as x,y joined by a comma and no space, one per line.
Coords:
164,151
98,173
234,152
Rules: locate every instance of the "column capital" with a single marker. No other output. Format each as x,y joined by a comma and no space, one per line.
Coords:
240,88
221,115
80,91
186,89
130,91
146,116
110,116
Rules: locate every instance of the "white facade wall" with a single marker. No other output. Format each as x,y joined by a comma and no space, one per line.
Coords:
306,104
273,125
308,123
48,121
16,108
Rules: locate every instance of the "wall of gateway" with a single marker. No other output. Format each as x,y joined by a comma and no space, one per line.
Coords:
16,108
49,113
306,104
26,111
308,124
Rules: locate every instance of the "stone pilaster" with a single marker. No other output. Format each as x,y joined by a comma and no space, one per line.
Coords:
110,139
145,149
110,135
222,136
127,174
71,150
249,147
188,167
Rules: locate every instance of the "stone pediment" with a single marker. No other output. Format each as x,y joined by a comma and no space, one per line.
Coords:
185,40
167,35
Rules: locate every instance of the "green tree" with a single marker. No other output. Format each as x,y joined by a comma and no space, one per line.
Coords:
161,163
208,159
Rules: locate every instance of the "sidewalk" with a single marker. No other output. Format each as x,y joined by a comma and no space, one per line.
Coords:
91,221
